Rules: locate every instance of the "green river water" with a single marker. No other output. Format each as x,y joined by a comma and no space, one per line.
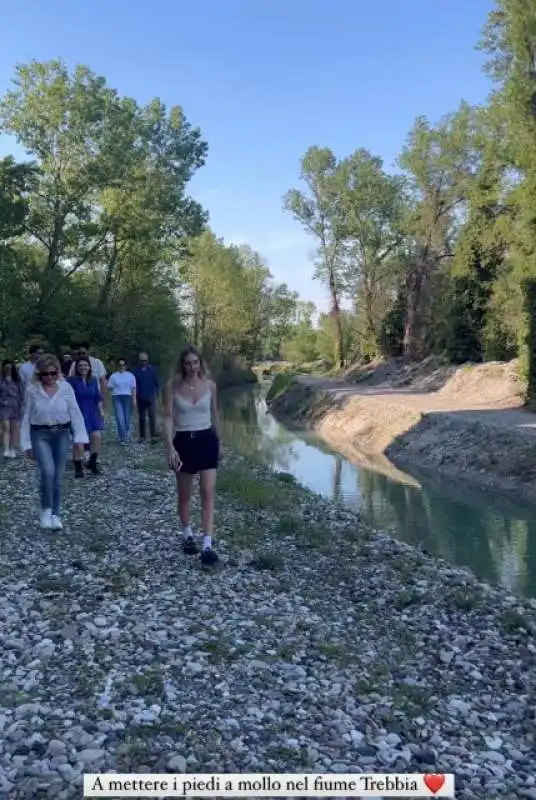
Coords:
493,535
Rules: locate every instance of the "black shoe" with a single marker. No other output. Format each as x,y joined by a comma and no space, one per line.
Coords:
92,465
189,546
141,441
78,470
209,557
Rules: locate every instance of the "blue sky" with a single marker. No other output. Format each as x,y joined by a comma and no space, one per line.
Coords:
264,79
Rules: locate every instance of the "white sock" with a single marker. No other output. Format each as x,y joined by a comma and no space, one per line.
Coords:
207,542
187,532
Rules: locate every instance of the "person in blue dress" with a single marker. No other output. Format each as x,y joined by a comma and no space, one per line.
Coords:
89,399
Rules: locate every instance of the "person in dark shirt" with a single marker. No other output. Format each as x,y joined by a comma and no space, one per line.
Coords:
66,364
147,389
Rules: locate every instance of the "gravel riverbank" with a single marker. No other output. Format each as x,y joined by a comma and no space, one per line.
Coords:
316,646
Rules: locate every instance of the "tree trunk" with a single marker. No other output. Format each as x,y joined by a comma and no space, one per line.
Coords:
528,351
109,275
336,316
370,344
337,475
414,290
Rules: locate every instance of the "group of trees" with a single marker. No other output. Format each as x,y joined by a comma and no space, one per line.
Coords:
100,240
440,257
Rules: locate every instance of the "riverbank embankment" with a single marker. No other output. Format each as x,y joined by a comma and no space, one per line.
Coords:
467,423
318,645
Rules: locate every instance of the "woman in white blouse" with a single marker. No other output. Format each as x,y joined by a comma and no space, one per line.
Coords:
50,416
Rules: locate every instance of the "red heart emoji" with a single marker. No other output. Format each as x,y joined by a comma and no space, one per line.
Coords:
434,782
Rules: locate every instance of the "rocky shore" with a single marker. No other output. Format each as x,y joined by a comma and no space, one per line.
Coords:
459,436
316,646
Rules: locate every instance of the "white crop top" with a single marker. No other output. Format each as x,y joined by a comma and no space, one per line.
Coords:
189,416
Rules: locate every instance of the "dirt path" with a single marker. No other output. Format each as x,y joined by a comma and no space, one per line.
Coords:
501,412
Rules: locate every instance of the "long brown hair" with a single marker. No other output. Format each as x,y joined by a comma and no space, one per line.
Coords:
8,362
180,372
89,373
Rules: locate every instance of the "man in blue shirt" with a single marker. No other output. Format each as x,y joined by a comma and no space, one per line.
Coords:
147,388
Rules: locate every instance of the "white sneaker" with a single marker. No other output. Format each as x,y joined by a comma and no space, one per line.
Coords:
7,453
55,523
46,519
13,454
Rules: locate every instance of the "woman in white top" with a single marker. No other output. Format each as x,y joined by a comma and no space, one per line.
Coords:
193,443
51,414
122,384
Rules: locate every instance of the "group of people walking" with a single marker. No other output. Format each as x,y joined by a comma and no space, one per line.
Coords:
57,405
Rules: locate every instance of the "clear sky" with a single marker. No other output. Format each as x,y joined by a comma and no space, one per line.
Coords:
264,80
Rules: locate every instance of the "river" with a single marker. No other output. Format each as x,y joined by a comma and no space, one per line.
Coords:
493,535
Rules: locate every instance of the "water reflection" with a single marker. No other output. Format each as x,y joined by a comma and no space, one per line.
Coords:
494,536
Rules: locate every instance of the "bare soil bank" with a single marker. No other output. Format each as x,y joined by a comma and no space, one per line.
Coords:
467,423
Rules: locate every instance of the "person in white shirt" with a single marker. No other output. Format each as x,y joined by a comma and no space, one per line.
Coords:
122,385
51,414
26,369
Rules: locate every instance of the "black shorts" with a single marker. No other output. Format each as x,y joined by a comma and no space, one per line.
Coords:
198,450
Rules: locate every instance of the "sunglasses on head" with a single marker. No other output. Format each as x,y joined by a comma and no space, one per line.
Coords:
51,373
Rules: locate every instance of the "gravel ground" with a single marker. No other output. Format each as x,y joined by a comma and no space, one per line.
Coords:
315,646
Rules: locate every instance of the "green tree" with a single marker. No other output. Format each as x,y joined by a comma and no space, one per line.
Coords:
111,175
510,41
301,347
107,212
373,208
15,181
320,212
282,312
439,162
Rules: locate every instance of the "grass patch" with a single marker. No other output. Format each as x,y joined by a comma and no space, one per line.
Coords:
252,491
280,385
269,562
53,584
119,578
286,477
246,535
374,681
406,598
287,652
287,525
334,651
289,755
465,599
13,698
413,699
150,685
98,544
222,650
513,622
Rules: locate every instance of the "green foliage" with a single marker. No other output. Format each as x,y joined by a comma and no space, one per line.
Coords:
528,348
236,311
435,261
391,339
320,213
100,240
280,385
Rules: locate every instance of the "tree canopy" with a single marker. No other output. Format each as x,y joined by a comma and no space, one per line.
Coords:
101,240
439,256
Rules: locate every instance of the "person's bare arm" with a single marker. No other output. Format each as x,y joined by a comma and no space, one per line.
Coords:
174,459
215,412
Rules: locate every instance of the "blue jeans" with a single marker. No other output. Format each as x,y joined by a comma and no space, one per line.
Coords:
51,449
122,404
